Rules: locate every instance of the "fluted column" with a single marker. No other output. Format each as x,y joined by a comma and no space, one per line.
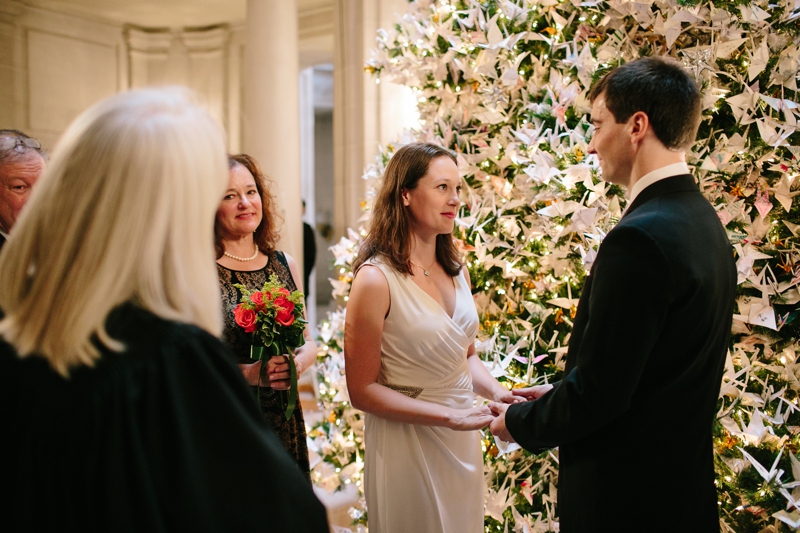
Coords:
350,96
366,115
270,111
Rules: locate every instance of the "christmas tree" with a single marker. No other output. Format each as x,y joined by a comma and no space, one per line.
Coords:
504,84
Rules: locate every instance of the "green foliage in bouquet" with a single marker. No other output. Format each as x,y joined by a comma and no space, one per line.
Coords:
274,316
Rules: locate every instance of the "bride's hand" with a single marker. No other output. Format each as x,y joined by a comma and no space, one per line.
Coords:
532,393
470,419
507,396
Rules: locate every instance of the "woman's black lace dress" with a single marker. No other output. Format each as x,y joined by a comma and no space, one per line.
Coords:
292,432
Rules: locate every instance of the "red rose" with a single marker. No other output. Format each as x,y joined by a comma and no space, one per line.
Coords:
284,291
246,318
284,317
284,311
284,303
258,299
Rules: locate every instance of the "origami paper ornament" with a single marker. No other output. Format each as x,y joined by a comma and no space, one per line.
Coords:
587,257
673,25
494,36
762,203
542,173
559,209
741,104
583,219
788,65
522,524
784,195
754,14
504,447
747,257
596,190
773,474
726,48
794,228
497,501
513,12
791,519
758,60
762,314
526,489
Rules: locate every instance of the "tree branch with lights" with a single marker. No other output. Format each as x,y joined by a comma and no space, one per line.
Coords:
504,85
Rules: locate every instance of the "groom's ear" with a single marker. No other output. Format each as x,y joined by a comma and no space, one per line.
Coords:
639,124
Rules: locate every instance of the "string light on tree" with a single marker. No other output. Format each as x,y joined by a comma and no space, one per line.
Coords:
505,88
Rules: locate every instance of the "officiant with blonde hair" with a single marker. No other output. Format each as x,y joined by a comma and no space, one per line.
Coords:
122,410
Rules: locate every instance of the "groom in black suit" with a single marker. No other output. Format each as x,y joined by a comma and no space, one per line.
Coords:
633,414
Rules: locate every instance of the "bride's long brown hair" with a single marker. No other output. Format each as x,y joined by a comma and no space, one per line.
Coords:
389,234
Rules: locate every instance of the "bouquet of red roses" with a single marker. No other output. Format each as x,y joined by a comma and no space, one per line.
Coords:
275,318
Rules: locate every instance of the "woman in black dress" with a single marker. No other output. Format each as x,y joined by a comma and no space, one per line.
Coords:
246,234
121,408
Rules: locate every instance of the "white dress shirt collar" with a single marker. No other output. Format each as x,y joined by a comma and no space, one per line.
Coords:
4,234
675,169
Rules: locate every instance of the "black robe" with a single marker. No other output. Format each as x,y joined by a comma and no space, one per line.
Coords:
165,436
633,414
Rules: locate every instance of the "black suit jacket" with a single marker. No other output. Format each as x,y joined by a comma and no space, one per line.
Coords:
633,415
2,241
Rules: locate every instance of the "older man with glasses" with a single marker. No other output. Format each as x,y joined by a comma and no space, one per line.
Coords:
22,161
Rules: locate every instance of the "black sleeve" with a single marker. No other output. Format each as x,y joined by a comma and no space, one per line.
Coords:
210,461
309,250
627,305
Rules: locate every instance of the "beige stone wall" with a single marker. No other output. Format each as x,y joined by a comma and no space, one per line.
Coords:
57,60
53,66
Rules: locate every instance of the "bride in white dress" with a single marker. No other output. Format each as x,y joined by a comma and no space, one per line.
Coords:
410,355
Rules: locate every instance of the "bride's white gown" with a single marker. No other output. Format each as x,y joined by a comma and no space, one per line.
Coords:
424,479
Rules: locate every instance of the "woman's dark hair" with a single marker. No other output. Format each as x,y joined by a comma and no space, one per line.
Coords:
390,230
662,89
266,235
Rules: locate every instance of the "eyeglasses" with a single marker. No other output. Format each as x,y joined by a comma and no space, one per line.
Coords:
19,144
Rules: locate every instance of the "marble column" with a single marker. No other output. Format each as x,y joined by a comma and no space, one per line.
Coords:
306,92
270,110
350,97
366,115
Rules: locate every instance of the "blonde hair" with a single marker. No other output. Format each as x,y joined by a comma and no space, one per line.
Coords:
124,213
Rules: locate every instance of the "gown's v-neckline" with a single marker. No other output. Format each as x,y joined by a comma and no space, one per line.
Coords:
455,302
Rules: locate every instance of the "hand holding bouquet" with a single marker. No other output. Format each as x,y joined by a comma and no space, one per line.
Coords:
274,317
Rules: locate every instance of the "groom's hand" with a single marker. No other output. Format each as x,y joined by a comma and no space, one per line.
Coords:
533,393
498,425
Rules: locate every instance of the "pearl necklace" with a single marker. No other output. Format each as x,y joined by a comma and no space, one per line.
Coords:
245,259
426,271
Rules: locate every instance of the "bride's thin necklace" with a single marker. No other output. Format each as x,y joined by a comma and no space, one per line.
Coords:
426,271
245,259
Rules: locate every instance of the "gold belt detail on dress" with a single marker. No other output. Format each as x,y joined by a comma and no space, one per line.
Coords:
411,392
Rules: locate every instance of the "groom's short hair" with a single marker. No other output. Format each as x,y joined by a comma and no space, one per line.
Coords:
663,90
